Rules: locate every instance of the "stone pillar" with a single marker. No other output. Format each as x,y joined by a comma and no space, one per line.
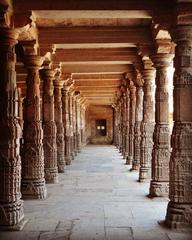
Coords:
179,211
49,127
74,124
78,124
137,131
71,125
147,126
161,148
33,179
66,125
132,88
124,125
127,123
58,84
120,126
11,205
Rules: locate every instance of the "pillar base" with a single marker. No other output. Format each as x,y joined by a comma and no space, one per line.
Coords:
61,168
51,175
129,160
68,161
144,174
159,189
17,227
179,215
33,189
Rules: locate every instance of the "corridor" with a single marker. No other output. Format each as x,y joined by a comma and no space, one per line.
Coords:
96,198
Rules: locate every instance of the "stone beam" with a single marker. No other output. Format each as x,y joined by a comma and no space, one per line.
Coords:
92,68
23,5
73,35
95,54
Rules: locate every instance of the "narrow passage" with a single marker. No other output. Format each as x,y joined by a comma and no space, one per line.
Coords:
97,198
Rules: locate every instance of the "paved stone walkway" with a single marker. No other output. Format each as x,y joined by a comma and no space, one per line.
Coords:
98,198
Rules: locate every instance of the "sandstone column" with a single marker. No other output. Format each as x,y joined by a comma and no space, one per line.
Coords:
49,127
132,89
66,124
33,180
161,148
147,125
179,212
11,205
137,131
127,123
71,124
58,84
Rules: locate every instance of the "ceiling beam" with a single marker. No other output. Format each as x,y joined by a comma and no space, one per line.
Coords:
63,35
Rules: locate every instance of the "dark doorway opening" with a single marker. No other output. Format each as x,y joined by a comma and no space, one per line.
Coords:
101,127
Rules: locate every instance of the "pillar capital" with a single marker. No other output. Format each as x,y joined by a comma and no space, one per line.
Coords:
33,61
8,36
162,59
182,33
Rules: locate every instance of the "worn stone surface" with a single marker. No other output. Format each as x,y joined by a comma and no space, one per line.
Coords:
98,204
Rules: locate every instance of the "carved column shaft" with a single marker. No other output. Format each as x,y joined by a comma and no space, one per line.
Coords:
11,205
161,148
131,123
66,124
59,124
33,181
71,125
137,131
147,126
127,123
124,125
179,212
49,128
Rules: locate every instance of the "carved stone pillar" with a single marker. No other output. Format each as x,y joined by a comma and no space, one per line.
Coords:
49,127
66,124
58,84
131,122
74,124
121,125
71,125
137,131
161,148
78,126
124,125
127,123
33,179
179,212
11,205
147,126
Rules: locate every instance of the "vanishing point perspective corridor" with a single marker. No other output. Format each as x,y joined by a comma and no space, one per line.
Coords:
97,198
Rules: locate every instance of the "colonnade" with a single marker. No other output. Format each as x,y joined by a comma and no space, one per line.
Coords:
160,157
38,141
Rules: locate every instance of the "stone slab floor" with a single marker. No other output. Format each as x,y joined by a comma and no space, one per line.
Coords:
98,198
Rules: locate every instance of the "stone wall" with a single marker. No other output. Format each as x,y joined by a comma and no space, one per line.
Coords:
97,113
